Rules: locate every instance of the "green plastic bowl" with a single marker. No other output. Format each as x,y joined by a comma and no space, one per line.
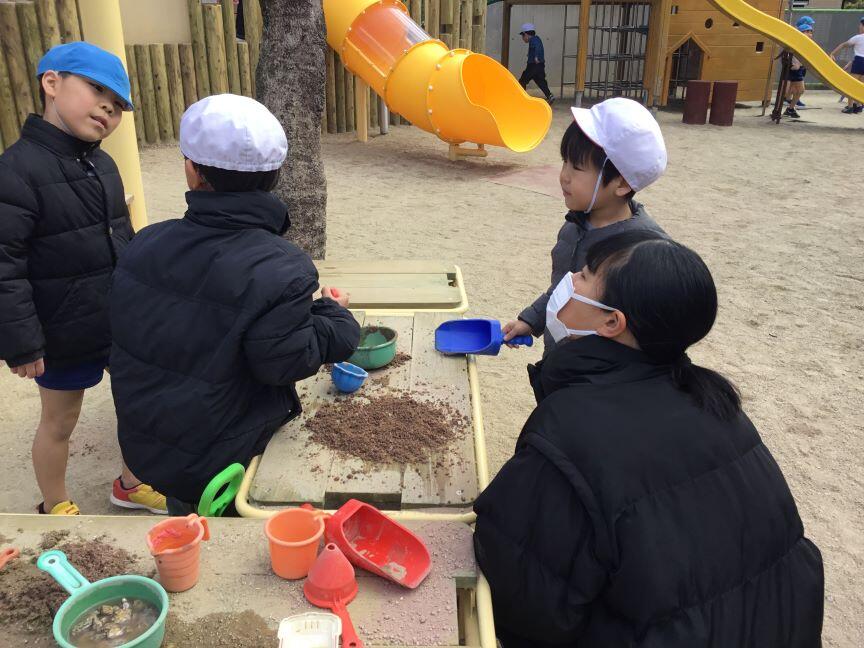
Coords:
377,347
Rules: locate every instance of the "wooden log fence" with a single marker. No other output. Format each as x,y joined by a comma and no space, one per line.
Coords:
167,78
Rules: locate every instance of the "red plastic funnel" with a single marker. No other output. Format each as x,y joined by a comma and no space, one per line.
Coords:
378,544
331,584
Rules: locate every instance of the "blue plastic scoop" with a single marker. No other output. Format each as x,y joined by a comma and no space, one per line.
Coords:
477,336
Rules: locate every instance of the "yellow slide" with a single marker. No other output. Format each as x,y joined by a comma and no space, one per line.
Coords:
456,94
790,38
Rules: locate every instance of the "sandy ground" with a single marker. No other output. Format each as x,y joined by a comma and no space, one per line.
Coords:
773,210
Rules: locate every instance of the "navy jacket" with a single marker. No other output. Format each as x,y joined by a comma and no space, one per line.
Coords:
629,517
535,50
63,223
214,322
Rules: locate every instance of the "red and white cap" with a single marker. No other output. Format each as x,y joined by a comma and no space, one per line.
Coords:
231,132
630,135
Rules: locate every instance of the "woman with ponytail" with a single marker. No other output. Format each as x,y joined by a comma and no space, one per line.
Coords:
641,507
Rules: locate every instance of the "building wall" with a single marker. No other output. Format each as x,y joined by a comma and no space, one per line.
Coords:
155,21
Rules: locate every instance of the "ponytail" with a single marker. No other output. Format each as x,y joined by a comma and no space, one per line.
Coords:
711,391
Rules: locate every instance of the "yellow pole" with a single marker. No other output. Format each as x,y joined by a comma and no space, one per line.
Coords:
102,26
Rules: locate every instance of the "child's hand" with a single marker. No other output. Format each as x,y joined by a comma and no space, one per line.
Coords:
30,370
339,296
515,328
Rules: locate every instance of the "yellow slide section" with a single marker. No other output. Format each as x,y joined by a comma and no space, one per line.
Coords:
790,38
456,94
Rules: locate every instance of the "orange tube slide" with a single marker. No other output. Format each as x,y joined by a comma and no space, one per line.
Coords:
458,95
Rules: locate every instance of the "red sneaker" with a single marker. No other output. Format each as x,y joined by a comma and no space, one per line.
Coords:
141,496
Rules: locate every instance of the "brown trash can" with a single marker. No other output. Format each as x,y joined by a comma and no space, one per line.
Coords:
696,102
723,103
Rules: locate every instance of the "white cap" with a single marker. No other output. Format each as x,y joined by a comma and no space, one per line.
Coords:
630,135
231,132
527,27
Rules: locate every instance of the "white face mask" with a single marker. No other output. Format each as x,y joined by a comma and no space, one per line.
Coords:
559,298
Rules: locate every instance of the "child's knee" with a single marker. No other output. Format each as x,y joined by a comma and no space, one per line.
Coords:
59,422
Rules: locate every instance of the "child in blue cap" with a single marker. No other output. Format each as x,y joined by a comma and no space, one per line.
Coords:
535,69
857,63
63,223
797,71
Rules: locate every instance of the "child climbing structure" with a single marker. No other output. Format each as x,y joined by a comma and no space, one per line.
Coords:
458,95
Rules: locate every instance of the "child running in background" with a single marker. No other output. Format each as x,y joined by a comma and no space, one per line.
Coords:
63,224
535,69
857,64
609,152
213,313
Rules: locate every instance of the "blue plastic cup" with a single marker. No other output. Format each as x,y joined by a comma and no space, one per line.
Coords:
347,377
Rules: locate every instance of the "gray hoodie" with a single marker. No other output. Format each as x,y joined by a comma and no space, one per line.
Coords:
574,240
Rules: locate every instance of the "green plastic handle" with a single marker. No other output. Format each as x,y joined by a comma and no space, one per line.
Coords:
55,563
230,479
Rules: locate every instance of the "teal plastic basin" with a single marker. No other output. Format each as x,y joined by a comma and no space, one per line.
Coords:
377,347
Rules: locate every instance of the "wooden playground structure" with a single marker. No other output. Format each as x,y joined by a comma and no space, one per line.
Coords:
648,50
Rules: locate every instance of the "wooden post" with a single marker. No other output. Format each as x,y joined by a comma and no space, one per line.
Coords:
349,101
415,10
148,98
229,24
49,27
361,102
199,47
467,18
8,117
505,34
160,88
245,70
656,69
331,91
433,18
582,50
215,36
373,109
137,114
478,39
32,41
187,73
67,14
175,85
456,23
13,48
340,95
252,22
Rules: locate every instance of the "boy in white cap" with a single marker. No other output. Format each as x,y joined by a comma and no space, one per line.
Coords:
535,70
214,315
63,224
609,152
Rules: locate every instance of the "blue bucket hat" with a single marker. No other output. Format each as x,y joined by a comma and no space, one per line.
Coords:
805,27
86,60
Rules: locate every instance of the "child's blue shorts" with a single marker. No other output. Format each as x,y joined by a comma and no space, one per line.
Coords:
82,376
858,65
797,75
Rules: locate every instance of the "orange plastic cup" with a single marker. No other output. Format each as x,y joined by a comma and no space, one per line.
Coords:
294,536
176,546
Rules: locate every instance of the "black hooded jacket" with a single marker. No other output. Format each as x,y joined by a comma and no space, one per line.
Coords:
63,223
630,517
214,322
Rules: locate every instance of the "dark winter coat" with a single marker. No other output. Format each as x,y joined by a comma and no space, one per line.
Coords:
63,221
214,322
575,238
630,517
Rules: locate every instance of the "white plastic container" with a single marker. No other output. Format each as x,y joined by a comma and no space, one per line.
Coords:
310,630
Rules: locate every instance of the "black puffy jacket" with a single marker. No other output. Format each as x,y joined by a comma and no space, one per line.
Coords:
630,517
213,322
63,221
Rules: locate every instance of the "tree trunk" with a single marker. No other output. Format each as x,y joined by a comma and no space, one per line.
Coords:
290,81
